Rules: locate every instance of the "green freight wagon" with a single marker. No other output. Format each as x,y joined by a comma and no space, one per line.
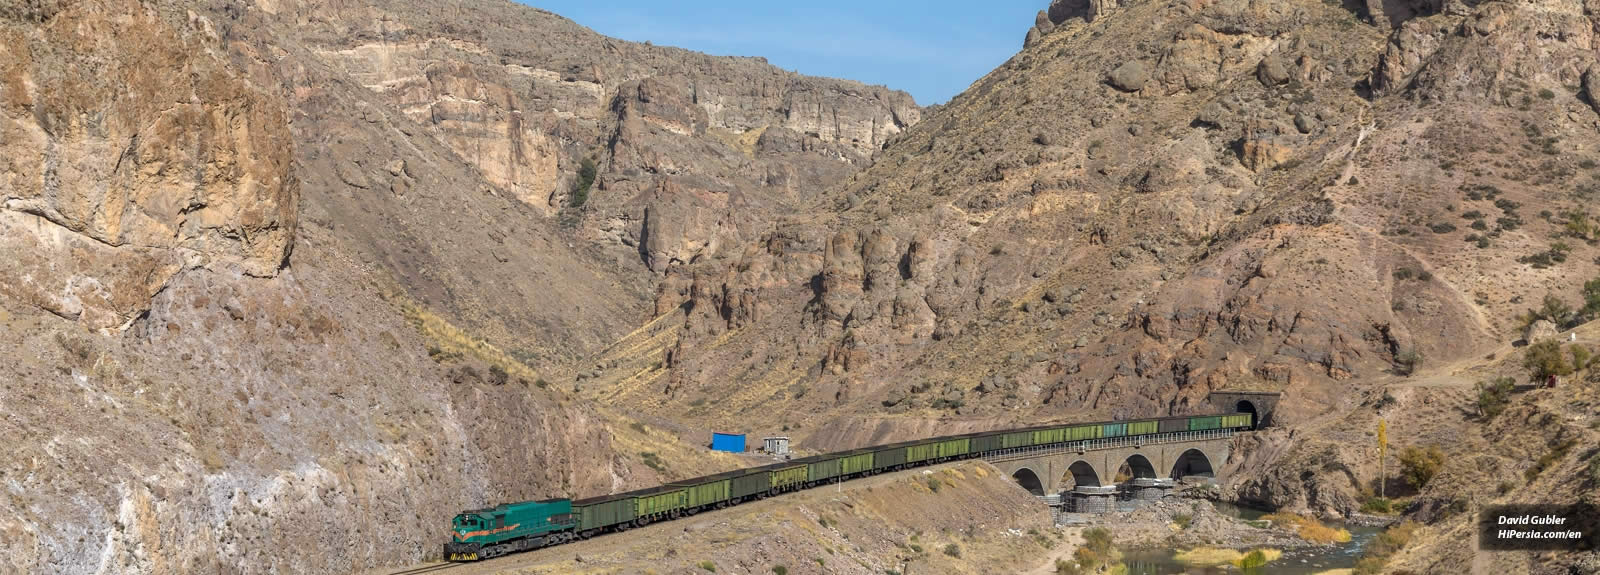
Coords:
788,476
748,483
921,451
954,447
1113,430
1047,436
658,500
985,442
855,462
1142,427
1083,432
1017,439
1236,421
704,491
892,456
1204,423
821,467
1173,425
603,511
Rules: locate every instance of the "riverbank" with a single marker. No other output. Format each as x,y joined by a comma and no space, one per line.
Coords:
1183,535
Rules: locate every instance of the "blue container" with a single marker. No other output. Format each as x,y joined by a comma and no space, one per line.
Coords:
727,442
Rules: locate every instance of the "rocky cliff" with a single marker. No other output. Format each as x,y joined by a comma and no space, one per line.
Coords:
286,273
1153,201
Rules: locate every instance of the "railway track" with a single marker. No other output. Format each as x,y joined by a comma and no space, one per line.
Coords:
432,568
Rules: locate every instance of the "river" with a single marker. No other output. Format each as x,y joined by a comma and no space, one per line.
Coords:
1303,561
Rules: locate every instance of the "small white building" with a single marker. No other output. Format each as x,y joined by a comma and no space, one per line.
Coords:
776,445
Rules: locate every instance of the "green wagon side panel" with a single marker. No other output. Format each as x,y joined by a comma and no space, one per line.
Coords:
706,493
984,443
921,452
659,502
954,447
1141,427
1083,432
1114,430
1202,423
605,514
1019,439
1172,425
747,485
825,469
789,476
855,463
889,457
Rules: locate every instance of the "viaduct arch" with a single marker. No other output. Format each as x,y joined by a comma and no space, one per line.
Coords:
1052,472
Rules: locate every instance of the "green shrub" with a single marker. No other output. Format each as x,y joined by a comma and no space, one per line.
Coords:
1183,520
1403,274
934,484
1408,361
1253,560
953,550
1419,465
708,566
780,570
580,188
1545,359
1494,396
1377,505
1442,227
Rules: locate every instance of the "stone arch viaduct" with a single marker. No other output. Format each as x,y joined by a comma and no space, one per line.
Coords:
1105,463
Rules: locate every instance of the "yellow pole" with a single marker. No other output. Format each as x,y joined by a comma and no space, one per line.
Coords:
1383,446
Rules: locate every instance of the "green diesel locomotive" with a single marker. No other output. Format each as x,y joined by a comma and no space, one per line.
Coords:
512,527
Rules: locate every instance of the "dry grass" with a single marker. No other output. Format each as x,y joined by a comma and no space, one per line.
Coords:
1310,529
1213,557
447,342
744,141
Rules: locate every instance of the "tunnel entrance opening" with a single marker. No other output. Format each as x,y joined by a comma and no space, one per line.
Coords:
1245,406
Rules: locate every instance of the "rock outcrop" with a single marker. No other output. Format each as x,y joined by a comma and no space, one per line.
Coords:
114,177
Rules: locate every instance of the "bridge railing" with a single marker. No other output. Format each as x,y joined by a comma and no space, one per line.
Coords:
1105,443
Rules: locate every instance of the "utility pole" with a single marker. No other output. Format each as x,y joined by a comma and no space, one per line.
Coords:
1383,447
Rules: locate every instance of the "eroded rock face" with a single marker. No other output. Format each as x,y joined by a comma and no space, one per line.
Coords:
128,152
735,139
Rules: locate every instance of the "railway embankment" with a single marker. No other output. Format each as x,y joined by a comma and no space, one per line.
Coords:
952,519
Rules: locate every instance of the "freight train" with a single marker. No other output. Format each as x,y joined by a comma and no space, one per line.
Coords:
512,527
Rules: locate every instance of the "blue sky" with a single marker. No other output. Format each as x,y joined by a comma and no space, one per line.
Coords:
933,49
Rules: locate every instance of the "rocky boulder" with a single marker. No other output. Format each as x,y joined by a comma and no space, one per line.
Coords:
1129,77
1539,331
